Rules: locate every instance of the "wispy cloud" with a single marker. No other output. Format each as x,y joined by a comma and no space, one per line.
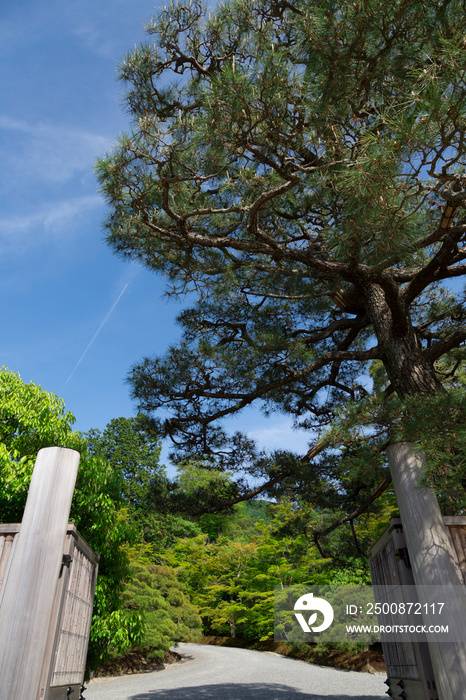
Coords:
47,221
48,152
96,40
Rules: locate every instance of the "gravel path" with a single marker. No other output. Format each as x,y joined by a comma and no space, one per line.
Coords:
219,673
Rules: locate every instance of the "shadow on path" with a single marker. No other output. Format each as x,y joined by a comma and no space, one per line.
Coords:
243,691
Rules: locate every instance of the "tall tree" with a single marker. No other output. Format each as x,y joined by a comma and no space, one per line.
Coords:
299,166
133,450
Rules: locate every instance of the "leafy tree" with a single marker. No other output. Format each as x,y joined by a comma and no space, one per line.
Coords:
242,523
300,168
131,447
162,529
133,450
198,486
30,419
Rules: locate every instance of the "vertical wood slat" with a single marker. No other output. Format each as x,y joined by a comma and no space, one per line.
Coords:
29,591
75,622
8,534
6,544
400,658
433,560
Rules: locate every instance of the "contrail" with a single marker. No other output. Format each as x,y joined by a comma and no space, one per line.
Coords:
109,313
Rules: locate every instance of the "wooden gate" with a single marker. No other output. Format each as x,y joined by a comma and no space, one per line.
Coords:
409,666
65,660
48,575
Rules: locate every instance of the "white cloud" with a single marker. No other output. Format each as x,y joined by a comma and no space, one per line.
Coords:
281,436
48,152
273,433
96,41
48,221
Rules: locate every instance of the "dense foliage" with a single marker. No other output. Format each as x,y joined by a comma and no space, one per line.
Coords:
157,592
232,579
30,419
133,450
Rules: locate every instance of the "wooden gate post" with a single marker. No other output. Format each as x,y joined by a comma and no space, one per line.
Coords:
433,561
30,582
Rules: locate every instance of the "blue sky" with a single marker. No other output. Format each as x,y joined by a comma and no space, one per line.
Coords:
75,317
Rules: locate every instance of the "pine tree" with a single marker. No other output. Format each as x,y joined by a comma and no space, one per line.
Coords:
299,167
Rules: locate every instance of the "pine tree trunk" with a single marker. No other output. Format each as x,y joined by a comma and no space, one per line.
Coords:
426,536
408,371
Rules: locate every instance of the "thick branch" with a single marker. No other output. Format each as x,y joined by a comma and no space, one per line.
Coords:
434,269
438,349
261,391
341,324
356,513
310,454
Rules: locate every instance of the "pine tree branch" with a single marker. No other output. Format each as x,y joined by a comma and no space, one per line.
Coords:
438,349
378,491
248,495
434,270
245,399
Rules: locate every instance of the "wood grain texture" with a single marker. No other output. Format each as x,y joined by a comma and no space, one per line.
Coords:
28,592
433,561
